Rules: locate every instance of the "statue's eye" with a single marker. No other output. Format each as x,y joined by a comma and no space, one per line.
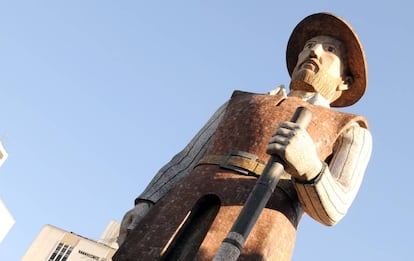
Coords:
308,45
331,49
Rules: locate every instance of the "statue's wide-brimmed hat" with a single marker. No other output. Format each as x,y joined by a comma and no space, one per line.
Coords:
334,26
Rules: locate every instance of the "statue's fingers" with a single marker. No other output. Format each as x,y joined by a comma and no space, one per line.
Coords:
276,148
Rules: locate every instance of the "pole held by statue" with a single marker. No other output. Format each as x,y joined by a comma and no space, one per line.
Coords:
232,245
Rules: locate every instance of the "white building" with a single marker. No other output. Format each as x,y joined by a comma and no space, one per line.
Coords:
55,244
6,219
3,154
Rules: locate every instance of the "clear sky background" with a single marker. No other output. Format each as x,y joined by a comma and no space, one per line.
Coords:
97,95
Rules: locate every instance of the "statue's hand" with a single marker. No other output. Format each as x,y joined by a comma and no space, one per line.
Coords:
132,218
294,145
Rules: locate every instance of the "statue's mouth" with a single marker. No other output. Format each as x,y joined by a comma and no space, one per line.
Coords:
310,64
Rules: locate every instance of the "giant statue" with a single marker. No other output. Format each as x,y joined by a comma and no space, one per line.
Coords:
190,205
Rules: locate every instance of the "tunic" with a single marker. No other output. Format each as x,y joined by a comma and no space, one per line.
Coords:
193,216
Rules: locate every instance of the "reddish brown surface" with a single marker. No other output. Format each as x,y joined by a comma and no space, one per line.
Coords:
247,126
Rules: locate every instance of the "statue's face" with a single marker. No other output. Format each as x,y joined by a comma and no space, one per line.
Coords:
320,66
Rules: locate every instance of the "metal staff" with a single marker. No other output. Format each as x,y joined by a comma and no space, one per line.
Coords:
233,244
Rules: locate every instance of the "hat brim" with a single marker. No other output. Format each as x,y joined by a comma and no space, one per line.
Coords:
331,25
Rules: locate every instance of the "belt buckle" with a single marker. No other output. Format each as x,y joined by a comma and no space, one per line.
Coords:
225,163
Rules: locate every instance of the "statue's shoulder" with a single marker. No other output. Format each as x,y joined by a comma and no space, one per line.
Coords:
278,91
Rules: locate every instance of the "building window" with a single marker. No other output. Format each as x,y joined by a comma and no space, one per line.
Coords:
61,252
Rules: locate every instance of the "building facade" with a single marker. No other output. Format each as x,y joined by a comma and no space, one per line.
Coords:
3,154
55,244
6,219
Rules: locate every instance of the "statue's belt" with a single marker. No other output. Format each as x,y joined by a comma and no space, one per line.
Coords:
242,162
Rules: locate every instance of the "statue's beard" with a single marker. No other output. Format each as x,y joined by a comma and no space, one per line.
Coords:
319,82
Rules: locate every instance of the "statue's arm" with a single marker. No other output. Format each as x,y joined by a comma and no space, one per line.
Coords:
183,162
328,199
170,174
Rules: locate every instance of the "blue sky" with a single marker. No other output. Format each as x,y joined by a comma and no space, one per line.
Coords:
97,95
